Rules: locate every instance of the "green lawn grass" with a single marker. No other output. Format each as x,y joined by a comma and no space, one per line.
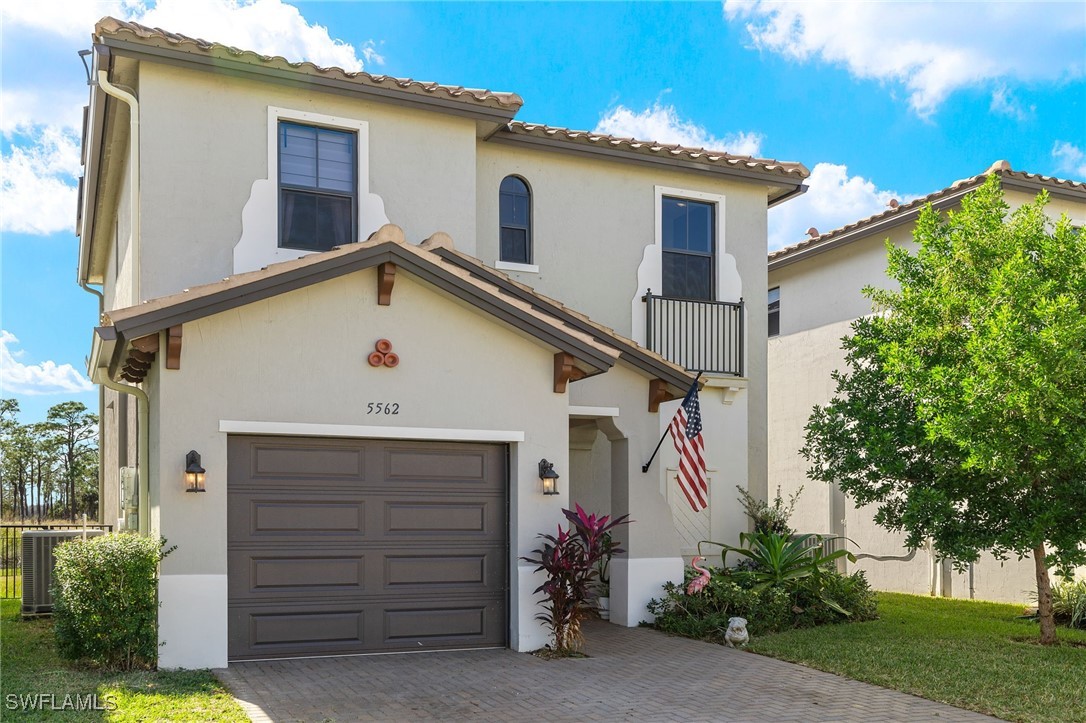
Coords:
973,655
29,665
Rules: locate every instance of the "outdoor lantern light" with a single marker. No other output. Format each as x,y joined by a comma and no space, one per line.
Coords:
549,477
194,473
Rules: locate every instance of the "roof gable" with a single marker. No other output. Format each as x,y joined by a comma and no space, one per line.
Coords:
784,178
591,347
943,198
128,37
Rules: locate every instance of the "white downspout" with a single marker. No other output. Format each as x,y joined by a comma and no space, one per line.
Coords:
133,172
101,410
143,447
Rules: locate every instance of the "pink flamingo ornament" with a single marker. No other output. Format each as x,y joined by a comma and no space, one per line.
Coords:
698,583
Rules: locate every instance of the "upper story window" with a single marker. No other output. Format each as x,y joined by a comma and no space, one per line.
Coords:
317,187
515,218
688,235
775,311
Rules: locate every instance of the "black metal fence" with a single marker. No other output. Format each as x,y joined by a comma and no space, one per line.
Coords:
11,551
698,335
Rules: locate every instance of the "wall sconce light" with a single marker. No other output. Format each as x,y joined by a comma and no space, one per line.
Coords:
549,477
194,473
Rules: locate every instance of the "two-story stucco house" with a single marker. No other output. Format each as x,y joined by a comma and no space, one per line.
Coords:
815,293
374,307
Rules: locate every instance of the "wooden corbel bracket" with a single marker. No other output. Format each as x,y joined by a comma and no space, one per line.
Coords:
386,278
565,371
658,394
146,344
173,347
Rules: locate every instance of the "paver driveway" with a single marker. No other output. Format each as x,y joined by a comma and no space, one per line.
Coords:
633,674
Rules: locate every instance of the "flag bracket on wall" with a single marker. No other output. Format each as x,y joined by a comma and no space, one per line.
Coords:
685,431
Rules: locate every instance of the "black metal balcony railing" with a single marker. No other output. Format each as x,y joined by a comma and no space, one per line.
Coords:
702,336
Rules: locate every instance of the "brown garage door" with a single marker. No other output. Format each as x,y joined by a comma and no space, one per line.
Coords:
353,546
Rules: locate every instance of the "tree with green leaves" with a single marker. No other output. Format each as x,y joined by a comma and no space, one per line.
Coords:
49,469
74,430
9,422
962,415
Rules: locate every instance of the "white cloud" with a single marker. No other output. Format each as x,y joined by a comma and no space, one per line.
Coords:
37,190
662,123
933,49
1070,158
370,53
32,379
833,199
1004,103
21,110
72,19
270,27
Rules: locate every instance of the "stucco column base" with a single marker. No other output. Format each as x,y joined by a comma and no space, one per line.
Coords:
192,621
635,581
527,633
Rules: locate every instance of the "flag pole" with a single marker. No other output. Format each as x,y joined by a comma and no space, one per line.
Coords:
645,467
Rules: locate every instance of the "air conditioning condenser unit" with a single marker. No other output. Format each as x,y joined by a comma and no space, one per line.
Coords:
37,563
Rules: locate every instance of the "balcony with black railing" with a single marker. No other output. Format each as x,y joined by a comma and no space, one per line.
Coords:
704,336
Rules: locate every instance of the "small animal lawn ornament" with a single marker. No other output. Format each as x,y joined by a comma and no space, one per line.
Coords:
698,583
737,632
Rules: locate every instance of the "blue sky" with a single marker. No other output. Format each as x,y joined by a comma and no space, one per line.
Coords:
880,100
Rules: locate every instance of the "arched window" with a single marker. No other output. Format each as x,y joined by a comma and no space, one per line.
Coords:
515,217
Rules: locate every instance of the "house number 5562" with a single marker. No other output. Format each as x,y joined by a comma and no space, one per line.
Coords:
383,408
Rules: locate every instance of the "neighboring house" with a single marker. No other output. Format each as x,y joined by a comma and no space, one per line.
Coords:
815,292
374,306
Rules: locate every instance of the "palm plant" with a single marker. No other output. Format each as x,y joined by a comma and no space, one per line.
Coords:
777,560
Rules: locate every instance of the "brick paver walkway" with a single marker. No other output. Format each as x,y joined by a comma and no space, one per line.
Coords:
633,674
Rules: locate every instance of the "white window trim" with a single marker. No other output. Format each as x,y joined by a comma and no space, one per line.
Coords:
306,429
259,242
718,213
650,271
512,266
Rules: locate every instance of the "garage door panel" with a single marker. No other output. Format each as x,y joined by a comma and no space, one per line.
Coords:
295,516
436,624
416,465
318,572
307,462
410,518
268,462
271,632
438,570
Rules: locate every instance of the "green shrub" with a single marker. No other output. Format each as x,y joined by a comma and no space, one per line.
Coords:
105,600
1069,603
770,609
767,517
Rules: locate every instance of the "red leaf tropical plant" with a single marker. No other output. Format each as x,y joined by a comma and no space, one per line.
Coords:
570,560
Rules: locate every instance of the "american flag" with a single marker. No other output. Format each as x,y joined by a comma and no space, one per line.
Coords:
690,444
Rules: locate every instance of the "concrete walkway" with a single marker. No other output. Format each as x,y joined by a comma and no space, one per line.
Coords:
633,674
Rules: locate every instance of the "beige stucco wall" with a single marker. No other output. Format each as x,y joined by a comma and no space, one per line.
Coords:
205,142
593,218
828,287
652,550
593,223
799,378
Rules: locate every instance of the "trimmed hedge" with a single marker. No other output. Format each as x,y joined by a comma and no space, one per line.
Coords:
105,600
